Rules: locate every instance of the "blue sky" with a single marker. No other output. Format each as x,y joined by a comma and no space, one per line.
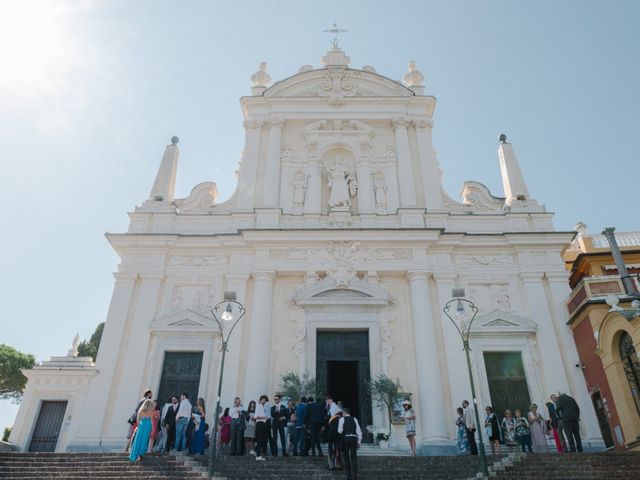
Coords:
84,129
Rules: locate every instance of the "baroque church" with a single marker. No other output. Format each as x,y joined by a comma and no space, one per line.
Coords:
343,247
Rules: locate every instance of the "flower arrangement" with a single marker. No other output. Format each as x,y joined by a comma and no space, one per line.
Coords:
382,434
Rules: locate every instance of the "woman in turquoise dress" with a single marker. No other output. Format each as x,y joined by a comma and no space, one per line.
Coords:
461,434
197,442
143,431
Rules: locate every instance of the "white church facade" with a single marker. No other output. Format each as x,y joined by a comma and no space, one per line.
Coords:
343,247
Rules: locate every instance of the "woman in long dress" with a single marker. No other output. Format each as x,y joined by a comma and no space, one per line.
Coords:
461,433
143,431
409,417
155,423
508,425
197,443
536,426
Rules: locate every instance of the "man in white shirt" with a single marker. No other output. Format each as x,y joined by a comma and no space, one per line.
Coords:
182,419
349,427
332,407
261,416
470,426
235,413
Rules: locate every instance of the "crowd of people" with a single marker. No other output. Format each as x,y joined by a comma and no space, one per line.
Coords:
265,427
530,433
260,429
177,425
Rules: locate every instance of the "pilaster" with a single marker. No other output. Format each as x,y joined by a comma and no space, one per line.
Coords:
231,382
434,428
135,344
428,166
553,372
249,166
258,352
365,186
271,184
405,169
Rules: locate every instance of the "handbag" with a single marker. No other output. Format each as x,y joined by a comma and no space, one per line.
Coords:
132,419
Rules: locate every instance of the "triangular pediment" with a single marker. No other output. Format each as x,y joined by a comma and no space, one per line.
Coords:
184,320
329,291
500,321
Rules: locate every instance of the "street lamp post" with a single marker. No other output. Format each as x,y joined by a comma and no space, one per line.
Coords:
231,310
462,313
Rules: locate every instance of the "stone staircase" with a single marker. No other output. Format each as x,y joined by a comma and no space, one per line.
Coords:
99,466
116,466
369,468
569,466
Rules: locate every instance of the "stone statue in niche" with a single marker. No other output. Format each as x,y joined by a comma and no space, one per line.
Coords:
343,184
380,192
299,190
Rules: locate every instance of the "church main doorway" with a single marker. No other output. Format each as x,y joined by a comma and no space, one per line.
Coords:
342,369
180,373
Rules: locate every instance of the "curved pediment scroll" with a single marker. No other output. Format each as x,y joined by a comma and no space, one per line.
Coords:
477,198
201,199
337,83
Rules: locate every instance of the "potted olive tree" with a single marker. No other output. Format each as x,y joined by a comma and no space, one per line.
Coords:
383,390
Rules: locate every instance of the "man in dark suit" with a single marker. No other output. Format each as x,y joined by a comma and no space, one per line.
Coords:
170,423
569,413
556,424
278,423
316,421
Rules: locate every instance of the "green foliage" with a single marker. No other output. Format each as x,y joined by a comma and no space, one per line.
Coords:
5,435
294,386
382,390
89,348
12,381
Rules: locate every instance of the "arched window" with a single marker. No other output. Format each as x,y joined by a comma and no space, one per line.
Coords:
631,366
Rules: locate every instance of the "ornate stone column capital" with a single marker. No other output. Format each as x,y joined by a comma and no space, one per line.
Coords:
152,277
122,277
275,123
263,276
423,123
414,275
399,122
444,276
531,277
252,124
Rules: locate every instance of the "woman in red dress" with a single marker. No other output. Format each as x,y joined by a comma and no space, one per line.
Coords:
155,422
225,429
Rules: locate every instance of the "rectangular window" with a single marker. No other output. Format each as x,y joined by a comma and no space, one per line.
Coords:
507,382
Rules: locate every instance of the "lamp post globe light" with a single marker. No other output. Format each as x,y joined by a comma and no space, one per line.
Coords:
462,313
230,311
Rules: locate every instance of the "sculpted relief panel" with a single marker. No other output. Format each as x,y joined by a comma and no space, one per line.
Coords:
490,297
198,298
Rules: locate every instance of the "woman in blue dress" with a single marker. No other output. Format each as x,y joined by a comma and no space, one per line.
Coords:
461,433
197,442
143,431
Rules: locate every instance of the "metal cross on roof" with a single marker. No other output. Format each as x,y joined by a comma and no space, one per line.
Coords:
335,31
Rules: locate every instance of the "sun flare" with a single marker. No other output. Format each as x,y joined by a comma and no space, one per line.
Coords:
31,42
